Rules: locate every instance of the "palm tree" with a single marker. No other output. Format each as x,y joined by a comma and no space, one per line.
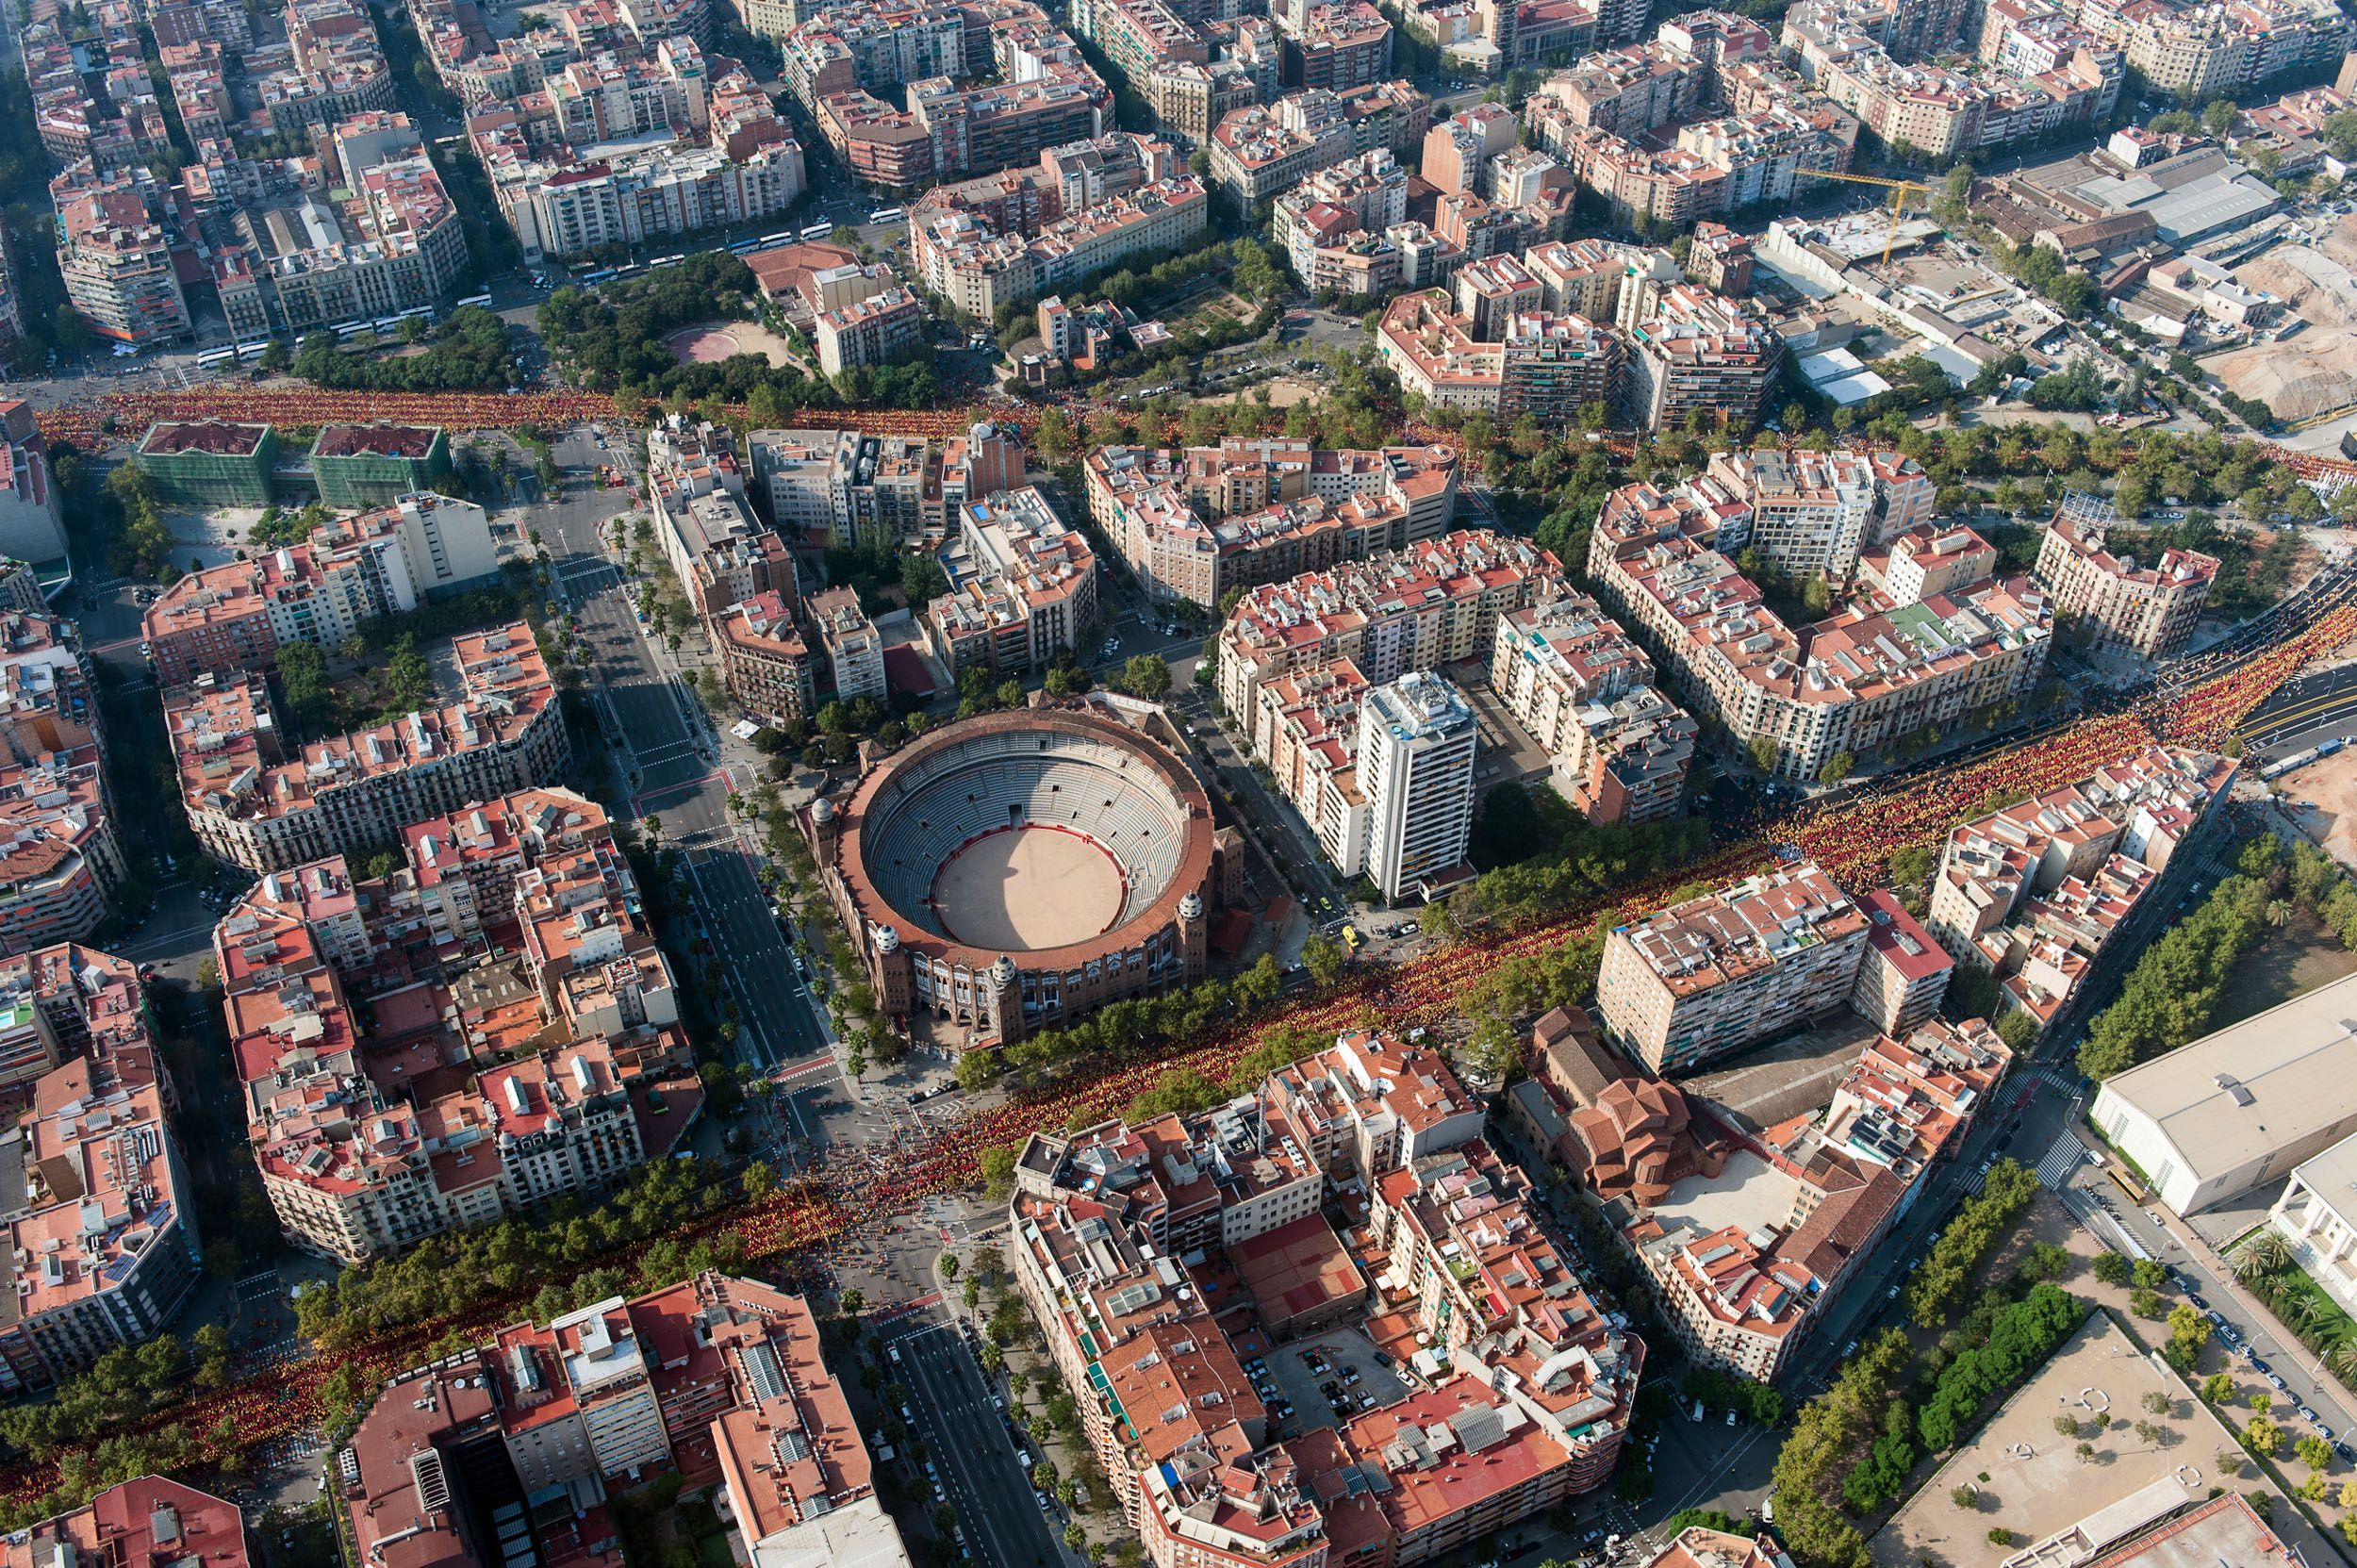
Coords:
2341,1361
2263,1254
2279,912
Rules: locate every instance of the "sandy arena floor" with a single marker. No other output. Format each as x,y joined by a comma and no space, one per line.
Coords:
710,342
1028,889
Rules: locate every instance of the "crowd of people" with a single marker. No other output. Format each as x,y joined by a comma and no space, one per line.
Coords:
828,1216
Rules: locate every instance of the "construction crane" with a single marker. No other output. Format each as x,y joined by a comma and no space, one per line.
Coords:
1899,191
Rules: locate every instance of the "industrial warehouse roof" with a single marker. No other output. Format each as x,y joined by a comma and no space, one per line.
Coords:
2263,1084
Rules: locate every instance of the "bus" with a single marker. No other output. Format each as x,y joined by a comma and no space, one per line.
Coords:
251,350
426,311
768,240
598,276
215,356
2129,1185
630,269
818,231
666,262
744,247
349,329
483,300
887,215
386,324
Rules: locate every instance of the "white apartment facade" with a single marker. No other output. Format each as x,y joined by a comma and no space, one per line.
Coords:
1416,770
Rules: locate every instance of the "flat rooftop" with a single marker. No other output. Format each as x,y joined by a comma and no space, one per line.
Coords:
1786,1077
2287,1077
1748,1193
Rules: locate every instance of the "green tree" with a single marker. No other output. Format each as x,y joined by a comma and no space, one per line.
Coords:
302,677
1838,768
1146,675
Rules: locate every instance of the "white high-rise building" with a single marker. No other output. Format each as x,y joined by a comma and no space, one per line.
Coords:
1416,770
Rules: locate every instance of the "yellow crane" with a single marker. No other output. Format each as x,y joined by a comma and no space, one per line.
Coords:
1899,191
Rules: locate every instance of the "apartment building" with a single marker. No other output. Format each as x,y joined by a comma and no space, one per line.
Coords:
32,526
574,144
1905,973
1304,727
1398,612
1339,213
1695,352
101,1231
1415,768
853,646
397,245
116,260
1799,1212
1486,353
765,660
2032,893
880,330
1924,563
1810,511
1022,587
1259,153
720,551
1332,44
968,262
1522,1390
1457,152
236,615
2146,609
1735,966
521,1010
152,1519
46,701
60,860
720,1379
1855,682
1584,690
2199,52
1196,521
256,802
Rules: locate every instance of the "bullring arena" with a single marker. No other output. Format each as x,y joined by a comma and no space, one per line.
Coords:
1006,871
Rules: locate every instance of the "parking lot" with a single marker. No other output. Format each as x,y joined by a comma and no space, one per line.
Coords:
1349,1368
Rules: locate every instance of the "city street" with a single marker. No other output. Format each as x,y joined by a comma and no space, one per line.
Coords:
675,773
970,1448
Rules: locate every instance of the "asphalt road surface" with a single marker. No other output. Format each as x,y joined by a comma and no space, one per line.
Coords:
967,1440
2305,710
659,734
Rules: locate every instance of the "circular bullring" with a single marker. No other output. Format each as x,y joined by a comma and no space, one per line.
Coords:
1059,836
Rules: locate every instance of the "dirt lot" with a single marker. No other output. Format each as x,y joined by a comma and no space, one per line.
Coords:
2315,370
710,342
2036,1482
2299,958
1284,392
2332,785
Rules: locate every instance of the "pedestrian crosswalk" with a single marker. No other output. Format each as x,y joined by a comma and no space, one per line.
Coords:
2055,1168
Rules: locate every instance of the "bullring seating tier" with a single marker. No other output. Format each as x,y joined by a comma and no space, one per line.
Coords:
944,802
